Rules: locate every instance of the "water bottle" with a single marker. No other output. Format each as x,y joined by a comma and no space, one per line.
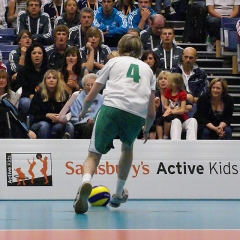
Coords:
209,45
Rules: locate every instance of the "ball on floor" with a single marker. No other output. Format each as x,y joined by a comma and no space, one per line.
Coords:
100,196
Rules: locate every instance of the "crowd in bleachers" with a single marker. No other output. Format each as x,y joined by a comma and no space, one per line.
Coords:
60,46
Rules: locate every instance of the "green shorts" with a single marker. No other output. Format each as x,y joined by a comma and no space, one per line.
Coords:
111,123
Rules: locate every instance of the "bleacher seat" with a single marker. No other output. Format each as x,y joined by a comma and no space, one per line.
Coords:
229,37
7,36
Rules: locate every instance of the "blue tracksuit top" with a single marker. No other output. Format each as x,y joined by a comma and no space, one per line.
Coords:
116,23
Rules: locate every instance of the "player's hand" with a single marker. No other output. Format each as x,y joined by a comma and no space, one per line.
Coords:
145,136
82,114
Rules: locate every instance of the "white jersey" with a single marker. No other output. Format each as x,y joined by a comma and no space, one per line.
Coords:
129,82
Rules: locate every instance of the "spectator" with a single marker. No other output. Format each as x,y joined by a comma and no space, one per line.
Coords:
17,57
45,107
150,37
36,22
70,17
214,111
31,74
174,102
156,131
71,72
140,17
134,32
14,8
56,51
93,4
3,23
5,86
54,8
111,21
195,79
151,59
94,52
83,128
169,54
167,7
11,125
125,6
77,33
218,9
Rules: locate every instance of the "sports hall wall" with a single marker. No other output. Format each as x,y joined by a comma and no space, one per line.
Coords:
51,169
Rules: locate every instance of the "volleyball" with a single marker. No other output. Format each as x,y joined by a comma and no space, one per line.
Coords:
100,196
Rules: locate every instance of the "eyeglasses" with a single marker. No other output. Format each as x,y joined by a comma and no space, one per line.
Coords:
25,37
33,4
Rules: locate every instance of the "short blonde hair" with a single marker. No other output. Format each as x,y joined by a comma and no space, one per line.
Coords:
130,45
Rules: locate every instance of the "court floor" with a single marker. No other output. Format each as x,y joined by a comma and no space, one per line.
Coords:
135,219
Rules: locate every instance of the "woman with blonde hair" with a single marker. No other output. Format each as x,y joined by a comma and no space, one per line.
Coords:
45,107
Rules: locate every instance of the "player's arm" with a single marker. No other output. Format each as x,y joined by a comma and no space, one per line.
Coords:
150,115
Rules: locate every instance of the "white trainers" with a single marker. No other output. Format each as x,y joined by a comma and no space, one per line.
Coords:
80,204
116,201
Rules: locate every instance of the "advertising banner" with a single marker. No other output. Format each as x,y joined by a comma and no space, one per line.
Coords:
52,169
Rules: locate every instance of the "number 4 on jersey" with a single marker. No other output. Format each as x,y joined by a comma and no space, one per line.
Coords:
133,72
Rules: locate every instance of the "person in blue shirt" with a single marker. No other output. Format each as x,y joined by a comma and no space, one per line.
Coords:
111,22
140,17
83,128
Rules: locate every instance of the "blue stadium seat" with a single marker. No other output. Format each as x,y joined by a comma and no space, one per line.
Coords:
7,36
229,37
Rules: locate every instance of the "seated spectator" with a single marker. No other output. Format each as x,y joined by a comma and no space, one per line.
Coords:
140,17
17,128
151,59
36,22
45,107
77,34
125,6
17,57
214,111
150,37
111,22
83,128
174,102
31,74
94,49
71,16
14,8
93,4
156,131
134,32
5,86
3,23
71,72
167,7
54,8
56,51
169,54
2,66
195,79
218,9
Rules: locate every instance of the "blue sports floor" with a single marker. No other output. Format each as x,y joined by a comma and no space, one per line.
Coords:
160,219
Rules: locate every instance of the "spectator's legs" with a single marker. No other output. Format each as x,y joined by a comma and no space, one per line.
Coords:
176,129
24,104
228,133
190,125
41,129
213,28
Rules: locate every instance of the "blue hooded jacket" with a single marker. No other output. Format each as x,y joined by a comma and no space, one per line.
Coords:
116,23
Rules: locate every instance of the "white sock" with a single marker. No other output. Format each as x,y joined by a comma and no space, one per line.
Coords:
119,187
87,177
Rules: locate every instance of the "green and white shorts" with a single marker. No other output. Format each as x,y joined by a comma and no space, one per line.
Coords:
110,123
